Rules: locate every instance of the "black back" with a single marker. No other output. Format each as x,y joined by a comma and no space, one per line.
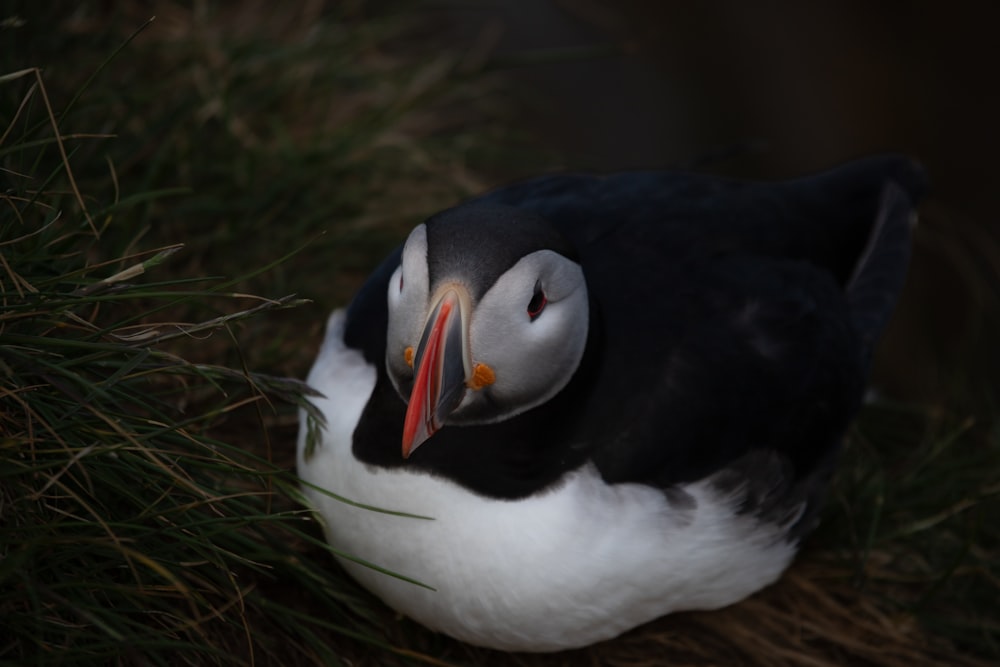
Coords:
732,324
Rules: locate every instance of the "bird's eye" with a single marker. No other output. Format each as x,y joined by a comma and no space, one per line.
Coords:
400,281
537,303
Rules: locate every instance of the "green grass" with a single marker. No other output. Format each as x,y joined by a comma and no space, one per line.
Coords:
129,533
915,505
183,201
147,514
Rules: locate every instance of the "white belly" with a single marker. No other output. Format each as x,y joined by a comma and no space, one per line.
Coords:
580,563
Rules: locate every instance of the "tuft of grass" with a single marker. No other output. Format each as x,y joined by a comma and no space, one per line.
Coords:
128,533
146,514
914,512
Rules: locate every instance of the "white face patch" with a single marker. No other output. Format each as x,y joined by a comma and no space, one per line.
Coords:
407,302
533,357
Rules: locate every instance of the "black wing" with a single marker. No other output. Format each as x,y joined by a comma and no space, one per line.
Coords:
736,317
733,324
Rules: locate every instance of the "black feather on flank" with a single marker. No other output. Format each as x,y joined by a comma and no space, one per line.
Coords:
766,485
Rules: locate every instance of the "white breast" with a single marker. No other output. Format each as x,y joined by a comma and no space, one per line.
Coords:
580,563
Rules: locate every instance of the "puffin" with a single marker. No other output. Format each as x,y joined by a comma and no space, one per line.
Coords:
580,402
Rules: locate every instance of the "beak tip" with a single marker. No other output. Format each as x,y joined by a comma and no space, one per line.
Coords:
414,440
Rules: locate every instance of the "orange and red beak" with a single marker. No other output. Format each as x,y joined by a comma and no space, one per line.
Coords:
443,368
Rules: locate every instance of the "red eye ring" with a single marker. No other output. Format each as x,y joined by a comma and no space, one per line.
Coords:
537,303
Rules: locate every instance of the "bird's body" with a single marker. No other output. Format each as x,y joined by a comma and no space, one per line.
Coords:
617,397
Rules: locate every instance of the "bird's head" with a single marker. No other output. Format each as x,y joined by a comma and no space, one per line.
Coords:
488,317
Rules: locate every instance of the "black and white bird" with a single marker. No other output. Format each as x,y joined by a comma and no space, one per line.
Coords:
611,397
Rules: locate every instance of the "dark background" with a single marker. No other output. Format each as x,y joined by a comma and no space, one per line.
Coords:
776,90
